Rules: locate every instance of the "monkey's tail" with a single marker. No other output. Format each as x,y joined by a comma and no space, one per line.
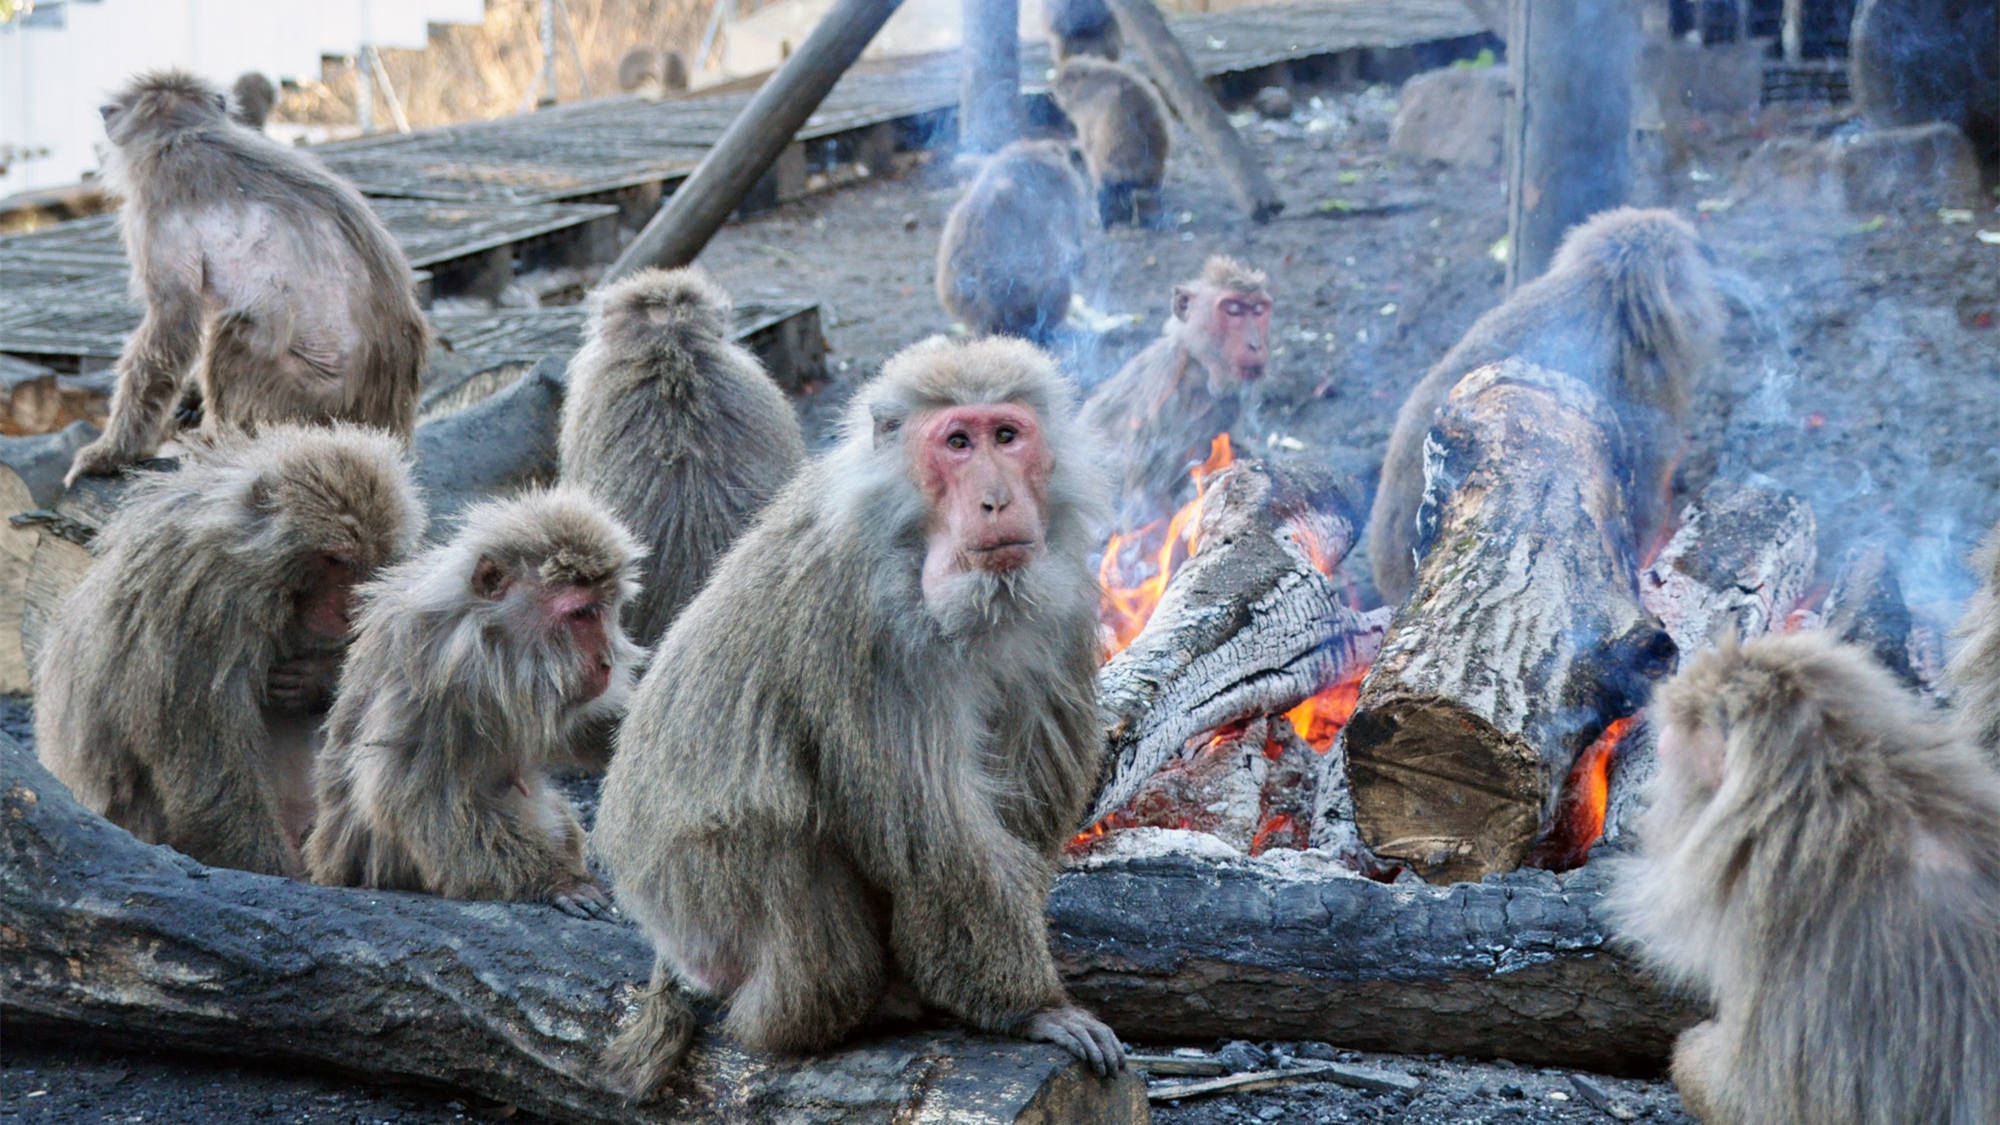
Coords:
645,1051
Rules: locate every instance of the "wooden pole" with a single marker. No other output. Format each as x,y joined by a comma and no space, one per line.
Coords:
1145,30
989,95
1569,129
698,208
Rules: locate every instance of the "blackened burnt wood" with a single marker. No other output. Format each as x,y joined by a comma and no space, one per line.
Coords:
135,944
1247,627
1522,638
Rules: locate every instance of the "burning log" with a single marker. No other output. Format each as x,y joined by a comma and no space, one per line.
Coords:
137,944
1247,627
1866,607
1523,637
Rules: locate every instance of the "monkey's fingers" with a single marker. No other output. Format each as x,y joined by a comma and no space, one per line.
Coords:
585,900
98,459
1081,1034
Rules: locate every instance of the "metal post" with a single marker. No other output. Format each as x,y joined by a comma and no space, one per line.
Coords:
989,92
548,53
364,91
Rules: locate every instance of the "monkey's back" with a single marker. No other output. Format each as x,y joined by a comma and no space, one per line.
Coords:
1121,123
1013,243
685,444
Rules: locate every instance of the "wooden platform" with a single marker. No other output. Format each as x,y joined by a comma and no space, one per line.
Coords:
787,337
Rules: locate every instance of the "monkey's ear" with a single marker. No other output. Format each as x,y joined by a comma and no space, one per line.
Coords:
489,580
888,421
1183,299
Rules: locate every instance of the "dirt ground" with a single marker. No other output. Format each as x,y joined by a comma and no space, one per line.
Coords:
1862,368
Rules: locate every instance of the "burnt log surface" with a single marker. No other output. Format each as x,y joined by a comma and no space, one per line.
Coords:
137,944
1522,638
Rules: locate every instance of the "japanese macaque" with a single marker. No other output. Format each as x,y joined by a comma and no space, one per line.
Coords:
474,667
272,292
183,678
251,99
1164,407
1081,27
1974,672
1013,244
1630,307
1121,129
652,72
676,429
845,779
1821,862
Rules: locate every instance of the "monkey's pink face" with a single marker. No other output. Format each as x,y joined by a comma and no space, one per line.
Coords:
577,616
985,471
1236,331
327,605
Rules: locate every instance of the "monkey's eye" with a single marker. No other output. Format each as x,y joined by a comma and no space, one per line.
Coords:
107,111
1005,435
959,440
1234,308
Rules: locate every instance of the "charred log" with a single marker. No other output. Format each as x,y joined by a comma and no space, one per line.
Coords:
1866,607
1522,638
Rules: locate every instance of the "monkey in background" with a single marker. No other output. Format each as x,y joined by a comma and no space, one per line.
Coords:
845,780
474,666
1159,413
1820,860
1630,307
252,98
1122,132
674,428
1081,27
1974,671
652,72
270,287
180,689
1013,244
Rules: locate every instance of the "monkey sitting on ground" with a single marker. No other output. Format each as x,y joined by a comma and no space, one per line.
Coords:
1974,672
1164,407
1630,307
252,99
1821,861
844,782
1013,243
180,688
270,287
1121,129
1081,27
474,666
675,429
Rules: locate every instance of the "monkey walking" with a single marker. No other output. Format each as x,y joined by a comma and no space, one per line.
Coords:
474,665
675,429
1630,307
847,775
1821,861
1013,244
183,679
1163,408
272,292
1121,129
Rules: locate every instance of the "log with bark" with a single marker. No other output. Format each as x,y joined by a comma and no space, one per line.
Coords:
1522,638
1248,626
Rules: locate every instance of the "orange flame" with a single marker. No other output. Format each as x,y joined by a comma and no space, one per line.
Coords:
1132,590
1579,820
1320,717
1280,825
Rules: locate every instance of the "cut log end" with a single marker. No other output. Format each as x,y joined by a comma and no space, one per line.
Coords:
1449,793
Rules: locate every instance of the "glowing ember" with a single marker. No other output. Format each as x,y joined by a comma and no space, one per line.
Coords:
1281,831
1579,820
1805,614
1320,718
1137,565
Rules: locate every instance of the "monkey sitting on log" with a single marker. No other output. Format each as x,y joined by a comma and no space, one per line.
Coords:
272,292
845,780
1013,243
1821,861
1121,129
1630,307
1164,407
180,688
1081,27
252,99
674,428
473,668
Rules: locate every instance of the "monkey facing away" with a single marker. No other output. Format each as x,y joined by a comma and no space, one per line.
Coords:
474,666
676,429
1081,27
1121,129
1821,861
270,287
252,99
845,780
180,688
652,72
1164,407
1630,307
1013,243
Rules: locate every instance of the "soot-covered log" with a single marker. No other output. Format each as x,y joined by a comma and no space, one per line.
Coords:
1248,627
134,944
1522,638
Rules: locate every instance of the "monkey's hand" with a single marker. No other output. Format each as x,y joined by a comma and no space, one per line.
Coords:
1079,1033
585,900
101,458
304,684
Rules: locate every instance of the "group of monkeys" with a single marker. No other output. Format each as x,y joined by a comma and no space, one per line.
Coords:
848,702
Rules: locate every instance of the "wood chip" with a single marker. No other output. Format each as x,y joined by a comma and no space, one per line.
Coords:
1360,1077
1590,1090
1178,1065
